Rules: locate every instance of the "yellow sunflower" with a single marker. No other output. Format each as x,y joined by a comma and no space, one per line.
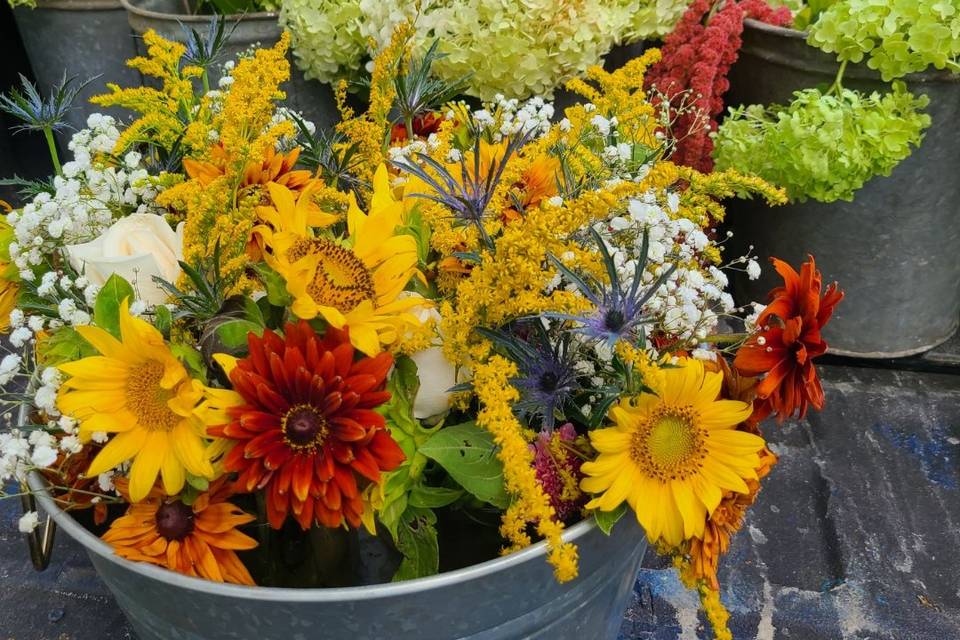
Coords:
673,456
355,283
139,392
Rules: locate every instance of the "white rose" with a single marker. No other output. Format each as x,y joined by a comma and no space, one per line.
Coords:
435,372
136,248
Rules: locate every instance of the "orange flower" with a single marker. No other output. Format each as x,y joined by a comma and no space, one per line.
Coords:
304,427
539,180
198,540
788,341
725,521
274,167
423,125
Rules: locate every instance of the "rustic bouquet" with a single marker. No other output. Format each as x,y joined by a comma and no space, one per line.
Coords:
234,329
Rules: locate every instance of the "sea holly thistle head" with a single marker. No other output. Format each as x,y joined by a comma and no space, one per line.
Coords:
36,113
618,307
418,91
467,196
329,153
547,373
203,50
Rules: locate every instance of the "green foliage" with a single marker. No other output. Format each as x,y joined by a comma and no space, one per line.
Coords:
417,541
205,293
63,345
468,454
896,37
606,519
823,146
106,308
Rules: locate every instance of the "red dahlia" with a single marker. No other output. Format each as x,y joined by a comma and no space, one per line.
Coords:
307,433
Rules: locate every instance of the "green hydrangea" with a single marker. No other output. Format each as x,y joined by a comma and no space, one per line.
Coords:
823,146
517,48
651,19
896,37
325,37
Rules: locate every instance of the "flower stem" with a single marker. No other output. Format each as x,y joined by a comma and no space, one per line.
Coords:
408,121
837,85
51,145
726,338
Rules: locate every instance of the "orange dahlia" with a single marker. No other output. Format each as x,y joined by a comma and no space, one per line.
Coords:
305,430
788,341
198,540
273,167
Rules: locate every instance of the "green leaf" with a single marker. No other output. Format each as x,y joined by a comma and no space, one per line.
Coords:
63,345
233,333
417,542
162,320
191,359
198,483
106,308
275,285
606,519
468,454
433,497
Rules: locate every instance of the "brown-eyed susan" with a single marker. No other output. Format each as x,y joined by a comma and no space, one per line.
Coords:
673,456
138,392
199,539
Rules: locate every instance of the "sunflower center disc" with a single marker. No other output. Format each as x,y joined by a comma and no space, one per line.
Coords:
341,280
303,427
670,444
147,400
174,520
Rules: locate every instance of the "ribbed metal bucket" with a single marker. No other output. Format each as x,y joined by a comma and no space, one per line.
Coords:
165,17
896,248
511,598
84,38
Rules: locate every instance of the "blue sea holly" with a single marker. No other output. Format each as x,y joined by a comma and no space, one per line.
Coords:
547,376
618,312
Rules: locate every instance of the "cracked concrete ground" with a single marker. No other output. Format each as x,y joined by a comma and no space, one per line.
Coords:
854,536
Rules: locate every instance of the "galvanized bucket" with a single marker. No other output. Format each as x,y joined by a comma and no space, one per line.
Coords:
895,248
168,18
512,597
83,38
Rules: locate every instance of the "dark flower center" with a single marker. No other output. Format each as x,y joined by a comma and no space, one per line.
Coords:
613,321
304,427
548,382
174,520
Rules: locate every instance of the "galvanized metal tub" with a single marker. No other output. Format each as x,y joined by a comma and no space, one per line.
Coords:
512,597
83,38
895,248
168,18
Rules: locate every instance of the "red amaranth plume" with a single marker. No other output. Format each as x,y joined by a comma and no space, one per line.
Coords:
697,57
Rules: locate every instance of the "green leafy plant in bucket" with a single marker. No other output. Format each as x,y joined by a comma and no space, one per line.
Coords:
827,143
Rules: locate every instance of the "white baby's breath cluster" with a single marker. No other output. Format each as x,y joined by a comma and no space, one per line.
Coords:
689,303
86,199
516,116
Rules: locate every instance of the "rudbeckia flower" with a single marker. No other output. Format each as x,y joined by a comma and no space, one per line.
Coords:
199,539
302,425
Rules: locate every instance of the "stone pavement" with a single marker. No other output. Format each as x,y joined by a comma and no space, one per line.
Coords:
855,536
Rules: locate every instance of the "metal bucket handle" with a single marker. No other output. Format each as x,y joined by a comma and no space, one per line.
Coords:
40,540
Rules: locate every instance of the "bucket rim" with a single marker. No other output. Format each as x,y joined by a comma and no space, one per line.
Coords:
187,18
93,544
827,64
759,25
